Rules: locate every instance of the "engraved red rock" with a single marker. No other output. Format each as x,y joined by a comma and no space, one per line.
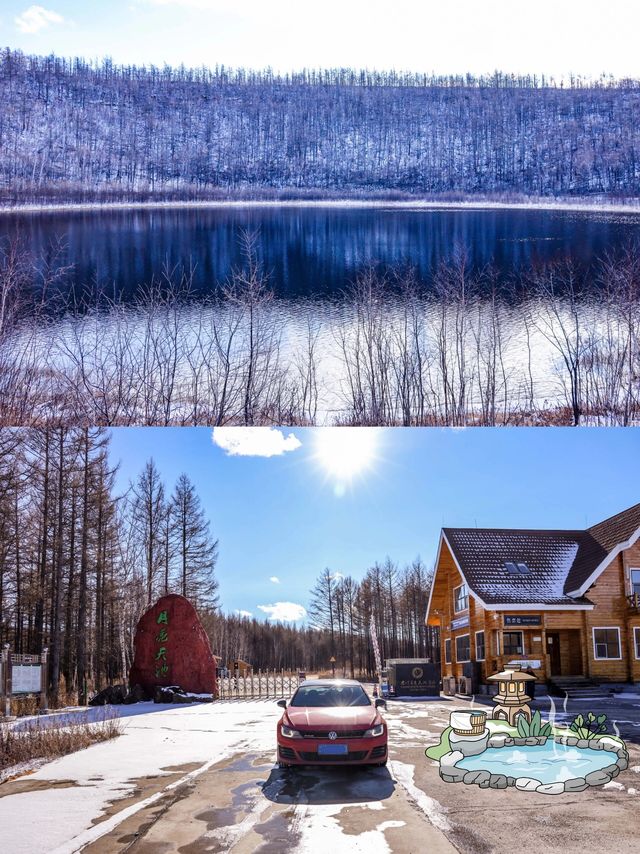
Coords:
172,648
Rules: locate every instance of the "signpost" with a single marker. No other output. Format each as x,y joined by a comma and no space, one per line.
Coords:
22,675
5,681
522,620
171,647
413,677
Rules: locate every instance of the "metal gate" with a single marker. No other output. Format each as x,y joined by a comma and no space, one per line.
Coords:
265,684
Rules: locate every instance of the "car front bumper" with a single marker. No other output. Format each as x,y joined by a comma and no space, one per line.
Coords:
304,751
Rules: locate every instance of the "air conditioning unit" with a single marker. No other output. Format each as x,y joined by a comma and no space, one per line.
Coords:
465,685
449,686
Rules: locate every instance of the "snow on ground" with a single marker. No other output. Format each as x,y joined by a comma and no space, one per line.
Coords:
155,737
69,717
629,207
321,822
433,810
82,785
21,768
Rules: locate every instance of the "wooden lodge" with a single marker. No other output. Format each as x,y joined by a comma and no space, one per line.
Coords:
562,604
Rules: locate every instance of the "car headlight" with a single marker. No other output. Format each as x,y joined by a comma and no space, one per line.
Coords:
374,731
287,732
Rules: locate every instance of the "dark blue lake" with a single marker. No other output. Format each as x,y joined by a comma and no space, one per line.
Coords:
313,251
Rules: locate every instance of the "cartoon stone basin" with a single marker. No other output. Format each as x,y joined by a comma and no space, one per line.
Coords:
532,757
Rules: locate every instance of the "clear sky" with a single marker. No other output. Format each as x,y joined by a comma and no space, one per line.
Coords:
314,503
551,36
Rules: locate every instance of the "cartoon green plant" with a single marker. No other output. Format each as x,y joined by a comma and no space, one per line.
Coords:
437,751
590,727
534,727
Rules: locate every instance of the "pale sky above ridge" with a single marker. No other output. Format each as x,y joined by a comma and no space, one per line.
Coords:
551,36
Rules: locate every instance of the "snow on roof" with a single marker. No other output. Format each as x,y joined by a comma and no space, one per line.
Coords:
549,555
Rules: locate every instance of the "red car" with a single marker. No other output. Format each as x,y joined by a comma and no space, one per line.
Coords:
331,722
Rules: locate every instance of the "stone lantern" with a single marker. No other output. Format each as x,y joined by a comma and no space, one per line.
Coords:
512,699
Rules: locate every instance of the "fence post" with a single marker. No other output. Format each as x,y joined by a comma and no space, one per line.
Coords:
44,679
5,688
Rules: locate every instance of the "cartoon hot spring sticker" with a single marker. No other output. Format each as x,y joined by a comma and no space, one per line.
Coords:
514,747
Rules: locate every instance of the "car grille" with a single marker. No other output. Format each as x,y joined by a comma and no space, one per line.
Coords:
349,757
347,733
287,753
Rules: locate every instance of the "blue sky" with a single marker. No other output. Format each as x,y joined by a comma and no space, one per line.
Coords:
583,36
294,513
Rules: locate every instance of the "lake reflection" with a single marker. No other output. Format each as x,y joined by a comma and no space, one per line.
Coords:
321,352
312,251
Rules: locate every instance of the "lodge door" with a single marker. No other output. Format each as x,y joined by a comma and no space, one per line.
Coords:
553,651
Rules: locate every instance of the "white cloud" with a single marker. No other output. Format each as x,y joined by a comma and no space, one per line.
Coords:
274,579
203,5
37,18
241,613
254,441
286,612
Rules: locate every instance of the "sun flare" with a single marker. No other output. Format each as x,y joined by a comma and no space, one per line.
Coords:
345,453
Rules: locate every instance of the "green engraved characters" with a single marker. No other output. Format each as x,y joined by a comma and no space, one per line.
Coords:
162,666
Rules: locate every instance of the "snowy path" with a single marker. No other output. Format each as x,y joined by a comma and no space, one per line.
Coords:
204,776
195,779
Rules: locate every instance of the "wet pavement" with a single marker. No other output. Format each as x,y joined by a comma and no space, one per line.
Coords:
246,804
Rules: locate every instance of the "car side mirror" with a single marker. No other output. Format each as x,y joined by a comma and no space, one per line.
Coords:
282,704
380,702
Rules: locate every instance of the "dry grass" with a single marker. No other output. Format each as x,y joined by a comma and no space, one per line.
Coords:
46,739
25,705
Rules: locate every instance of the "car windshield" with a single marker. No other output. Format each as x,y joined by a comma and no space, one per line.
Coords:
330,695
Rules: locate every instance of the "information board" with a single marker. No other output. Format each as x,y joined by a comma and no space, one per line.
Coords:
25,679
421,679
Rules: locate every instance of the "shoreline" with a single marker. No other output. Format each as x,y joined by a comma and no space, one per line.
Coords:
581,206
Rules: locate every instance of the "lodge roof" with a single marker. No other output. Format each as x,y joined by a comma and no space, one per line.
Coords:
560,564
616,529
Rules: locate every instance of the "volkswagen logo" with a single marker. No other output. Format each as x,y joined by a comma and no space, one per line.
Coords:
333,736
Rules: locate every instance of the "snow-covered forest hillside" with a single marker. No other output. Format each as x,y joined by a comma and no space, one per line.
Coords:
73,131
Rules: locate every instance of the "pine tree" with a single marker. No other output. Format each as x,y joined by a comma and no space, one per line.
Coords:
194,550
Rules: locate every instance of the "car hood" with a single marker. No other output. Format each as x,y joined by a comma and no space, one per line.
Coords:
340,717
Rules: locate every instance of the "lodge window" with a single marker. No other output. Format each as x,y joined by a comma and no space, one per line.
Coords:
463,648
636,636
447,651
460,598
635,581
480,646
512,643
606,642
